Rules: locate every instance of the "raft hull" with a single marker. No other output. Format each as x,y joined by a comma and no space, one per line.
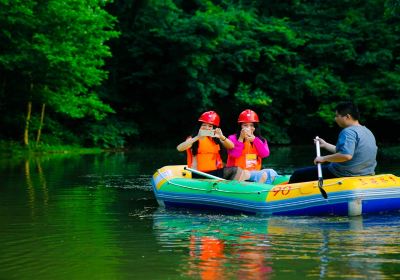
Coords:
174,188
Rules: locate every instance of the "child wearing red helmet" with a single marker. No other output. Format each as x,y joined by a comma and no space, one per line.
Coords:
203,148
250,148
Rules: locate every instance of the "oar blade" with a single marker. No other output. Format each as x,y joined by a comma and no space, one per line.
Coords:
321,189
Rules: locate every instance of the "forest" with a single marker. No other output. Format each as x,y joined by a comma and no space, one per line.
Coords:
126,73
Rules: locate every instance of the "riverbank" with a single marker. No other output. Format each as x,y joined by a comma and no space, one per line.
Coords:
390,152
15,149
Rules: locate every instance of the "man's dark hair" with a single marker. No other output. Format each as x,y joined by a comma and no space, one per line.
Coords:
348,107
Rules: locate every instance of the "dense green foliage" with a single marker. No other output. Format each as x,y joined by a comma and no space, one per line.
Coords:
290,61
52,53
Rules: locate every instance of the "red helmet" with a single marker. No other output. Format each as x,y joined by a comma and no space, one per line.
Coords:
210,117
248,116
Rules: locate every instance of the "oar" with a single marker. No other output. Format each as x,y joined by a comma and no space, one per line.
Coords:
320,179
203,173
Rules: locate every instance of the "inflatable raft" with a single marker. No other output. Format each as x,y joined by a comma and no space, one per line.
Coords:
174,187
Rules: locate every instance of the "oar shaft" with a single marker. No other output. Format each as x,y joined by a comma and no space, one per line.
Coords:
320,179
318,155
203,173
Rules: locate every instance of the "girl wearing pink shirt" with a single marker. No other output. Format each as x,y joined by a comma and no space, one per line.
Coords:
250,148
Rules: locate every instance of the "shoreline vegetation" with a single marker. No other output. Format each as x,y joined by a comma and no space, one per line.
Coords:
16,149
390,152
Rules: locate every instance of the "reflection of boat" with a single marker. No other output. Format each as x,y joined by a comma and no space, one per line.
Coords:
180,225
253,247
175,226
218,247
173,186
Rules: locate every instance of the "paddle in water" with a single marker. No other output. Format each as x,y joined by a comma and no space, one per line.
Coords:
320,179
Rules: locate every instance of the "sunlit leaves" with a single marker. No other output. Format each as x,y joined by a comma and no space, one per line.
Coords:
58,48
252,97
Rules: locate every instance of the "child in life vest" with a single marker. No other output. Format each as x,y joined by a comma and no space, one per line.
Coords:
203,149
250,148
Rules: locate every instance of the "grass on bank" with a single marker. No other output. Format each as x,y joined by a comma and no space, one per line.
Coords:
15,149
12,149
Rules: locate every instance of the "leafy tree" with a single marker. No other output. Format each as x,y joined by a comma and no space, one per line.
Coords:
52,53
352,47
291,61
203,55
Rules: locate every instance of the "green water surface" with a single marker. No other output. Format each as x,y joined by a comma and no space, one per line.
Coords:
95,217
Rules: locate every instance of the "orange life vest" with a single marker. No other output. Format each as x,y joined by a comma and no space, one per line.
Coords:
249,160
208,157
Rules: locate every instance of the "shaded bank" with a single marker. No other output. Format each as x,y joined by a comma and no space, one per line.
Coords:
12,149
15,149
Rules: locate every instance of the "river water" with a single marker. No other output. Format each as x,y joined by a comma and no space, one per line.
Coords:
95,217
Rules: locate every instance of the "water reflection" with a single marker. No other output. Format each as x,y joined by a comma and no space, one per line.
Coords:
219,247
30,188
241,247
34,186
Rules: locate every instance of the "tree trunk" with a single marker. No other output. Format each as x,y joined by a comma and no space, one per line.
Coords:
28,120
39,133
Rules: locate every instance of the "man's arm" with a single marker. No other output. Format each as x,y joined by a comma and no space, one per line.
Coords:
337,157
